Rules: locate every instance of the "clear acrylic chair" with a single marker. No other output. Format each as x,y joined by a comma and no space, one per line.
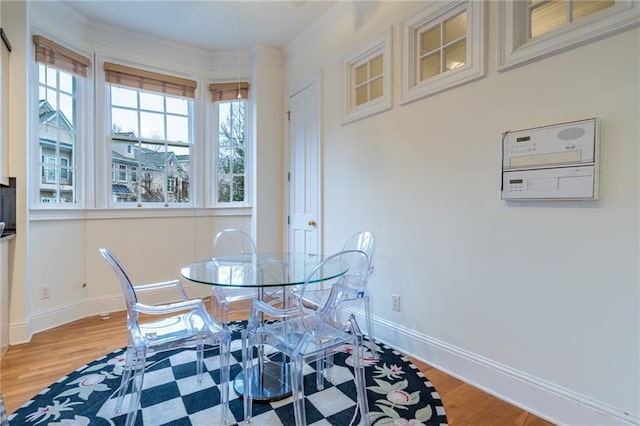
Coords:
363,241
311,337
230,242
176,325
3,413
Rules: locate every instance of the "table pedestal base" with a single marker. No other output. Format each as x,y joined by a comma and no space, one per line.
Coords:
271,384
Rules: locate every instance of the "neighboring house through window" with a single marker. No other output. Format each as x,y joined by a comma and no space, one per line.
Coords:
60,75
151,122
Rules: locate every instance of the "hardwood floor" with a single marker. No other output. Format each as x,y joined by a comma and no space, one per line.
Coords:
30,367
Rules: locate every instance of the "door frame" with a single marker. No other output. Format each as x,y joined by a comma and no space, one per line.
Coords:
315,78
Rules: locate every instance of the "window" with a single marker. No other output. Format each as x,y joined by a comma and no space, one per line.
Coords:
538,28
60,76
151,122
231,129
230,117
368,79
443,47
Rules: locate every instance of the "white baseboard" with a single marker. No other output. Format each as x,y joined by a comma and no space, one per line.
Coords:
21,332
544,399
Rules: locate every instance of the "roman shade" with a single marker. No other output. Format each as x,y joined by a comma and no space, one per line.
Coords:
229,91
147,80
52,53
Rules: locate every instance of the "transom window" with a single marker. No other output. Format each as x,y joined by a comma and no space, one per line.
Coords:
368,80
534,29
442,48
547,15
367,75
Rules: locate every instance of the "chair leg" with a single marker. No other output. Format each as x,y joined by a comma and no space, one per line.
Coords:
124,381
224,378
200,360
320,374
247,370
136,385
370,333
297,385
361,388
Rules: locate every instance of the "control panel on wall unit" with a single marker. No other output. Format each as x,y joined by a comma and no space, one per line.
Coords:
557,162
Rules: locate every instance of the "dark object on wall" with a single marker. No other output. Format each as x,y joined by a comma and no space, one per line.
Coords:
8,205
5,39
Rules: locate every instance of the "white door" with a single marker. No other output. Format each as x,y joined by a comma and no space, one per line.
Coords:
304,166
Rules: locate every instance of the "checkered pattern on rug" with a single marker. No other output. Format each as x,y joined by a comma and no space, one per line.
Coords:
171,395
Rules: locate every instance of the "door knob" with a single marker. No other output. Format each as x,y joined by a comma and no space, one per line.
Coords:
312,223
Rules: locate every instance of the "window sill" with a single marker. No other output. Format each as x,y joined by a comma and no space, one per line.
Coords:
135,213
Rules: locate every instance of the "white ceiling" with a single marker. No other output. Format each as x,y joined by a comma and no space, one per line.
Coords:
208,24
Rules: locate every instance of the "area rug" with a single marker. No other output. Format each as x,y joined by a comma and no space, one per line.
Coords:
398,394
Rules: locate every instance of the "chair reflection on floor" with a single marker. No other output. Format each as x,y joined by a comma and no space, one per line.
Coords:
178,325
307,337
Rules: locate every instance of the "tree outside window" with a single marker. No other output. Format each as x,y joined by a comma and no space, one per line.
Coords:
231,151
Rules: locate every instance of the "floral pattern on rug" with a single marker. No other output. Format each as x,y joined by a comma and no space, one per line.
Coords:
398,393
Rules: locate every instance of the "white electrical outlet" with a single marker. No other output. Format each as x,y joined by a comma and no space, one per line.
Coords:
395,302
45,292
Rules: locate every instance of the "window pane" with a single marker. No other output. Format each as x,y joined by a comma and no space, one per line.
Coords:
177,106
455,55
375,66
151,101
430,40
177,128
237,161
124,97
224,190
152,125
224,160
124,120
152,159
547,17
430,66
52,98
361,74
376,88
238,188
41,74
66,107
57,135
584,8
361,95
455,28
66,82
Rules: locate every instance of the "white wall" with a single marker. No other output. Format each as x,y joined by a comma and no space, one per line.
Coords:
535,301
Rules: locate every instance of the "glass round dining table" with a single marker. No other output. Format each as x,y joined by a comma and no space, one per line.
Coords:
263,270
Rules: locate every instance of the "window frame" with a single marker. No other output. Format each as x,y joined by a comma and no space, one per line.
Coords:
138,141
78,172
213,158
435,14
380,45
514,48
